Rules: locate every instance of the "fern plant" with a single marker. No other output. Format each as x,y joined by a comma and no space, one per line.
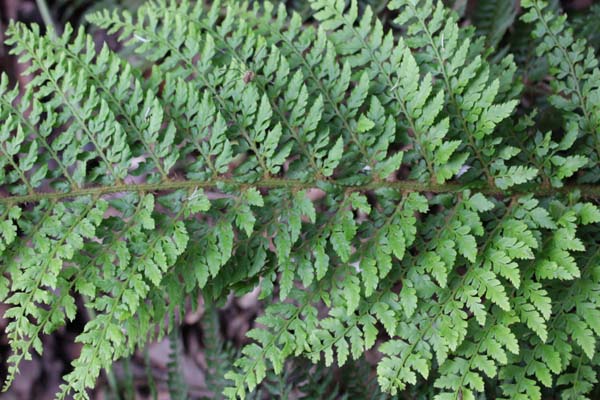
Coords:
385,190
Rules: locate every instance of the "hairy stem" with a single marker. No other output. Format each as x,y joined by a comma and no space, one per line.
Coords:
588,191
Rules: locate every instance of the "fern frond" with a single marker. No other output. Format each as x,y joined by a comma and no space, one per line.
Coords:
584,27
471,85
574,68
493,18
373,185
175,381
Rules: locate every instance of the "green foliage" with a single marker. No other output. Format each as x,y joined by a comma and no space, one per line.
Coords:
77,10
585,27
575,72
175,380
388,191
493,18
219,357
